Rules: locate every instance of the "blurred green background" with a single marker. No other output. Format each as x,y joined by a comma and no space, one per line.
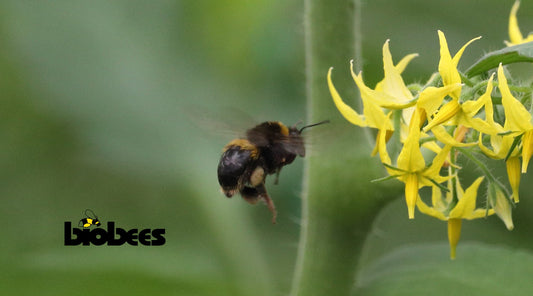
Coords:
122,106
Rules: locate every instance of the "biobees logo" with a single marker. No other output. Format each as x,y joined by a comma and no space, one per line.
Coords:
89,232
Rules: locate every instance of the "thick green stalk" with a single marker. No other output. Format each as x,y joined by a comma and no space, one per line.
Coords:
339,202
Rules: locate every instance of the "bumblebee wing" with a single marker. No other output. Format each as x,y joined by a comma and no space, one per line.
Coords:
90,214
225,123
294,145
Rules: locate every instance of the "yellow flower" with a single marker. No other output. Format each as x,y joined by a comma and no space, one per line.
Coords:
448,65
350,114
465,208
431,97
500,146
464,114
451,78
391,92
514,31
412,168
517,119
513,174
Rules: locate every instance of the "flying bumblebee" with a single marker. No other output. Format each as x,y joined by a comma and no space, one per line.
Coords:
245,162
89,219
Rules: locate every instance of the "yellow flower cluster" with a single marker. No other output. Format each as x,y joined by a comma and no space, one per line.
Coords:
422,130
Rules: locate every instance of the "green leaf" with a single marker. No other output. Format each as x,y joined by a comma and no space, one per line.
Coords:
426,269
513,54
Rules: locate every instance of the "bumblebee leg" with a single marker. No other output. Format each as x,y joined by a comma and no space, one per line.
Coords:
270,204
253,194
277,177
250,195
257,177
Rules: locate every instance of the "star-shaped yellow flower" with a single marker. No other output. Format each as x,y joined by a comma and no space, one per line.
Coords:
465,208
450,78
411,166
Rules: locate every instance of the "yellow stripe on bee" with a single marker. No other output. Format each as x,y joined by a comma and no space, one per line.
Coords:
284,130
89,222
244,144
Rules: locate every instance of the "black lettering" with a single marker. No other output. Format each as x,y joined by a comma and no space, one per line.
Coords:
111,241
132,236
158,238
85,237
102,236
69,241
144,237
113,236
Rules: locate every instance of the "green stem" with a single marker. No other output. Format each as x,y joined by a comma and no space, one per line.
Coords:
339,202
481,165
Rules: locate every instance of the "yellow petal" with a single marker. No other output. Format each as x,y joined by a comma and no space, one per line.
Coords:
467,203
350,114
410,158
500,145
489,109
480,213
527,149
411,193
379,98
382,149
517,118
431,145
393,84
502,206
458,55
431,97
433,171
440,133
513,174
454,234
400,67
448,65
447,70
480,125
445,113
514,31
430,211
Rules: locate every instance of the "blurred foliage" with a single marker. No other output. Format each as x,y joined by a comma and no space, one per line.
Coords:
98,111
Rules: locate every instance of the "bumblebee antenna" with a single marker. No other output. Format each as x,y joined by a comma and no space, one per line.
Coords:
314,124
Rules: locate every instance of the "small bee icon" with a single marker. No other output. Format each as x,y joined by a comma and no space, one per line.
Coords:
89,219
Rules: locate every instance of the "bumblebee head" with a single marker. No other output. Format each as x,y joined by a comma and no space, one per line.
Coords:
297,140
96,222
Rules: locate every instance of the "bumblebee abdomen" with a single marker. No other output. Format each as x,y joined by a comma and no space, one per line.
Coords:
234,165
86,222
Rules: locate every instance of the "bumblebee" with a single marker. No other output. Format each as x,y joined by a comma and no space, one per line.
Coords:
89,219
245,162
